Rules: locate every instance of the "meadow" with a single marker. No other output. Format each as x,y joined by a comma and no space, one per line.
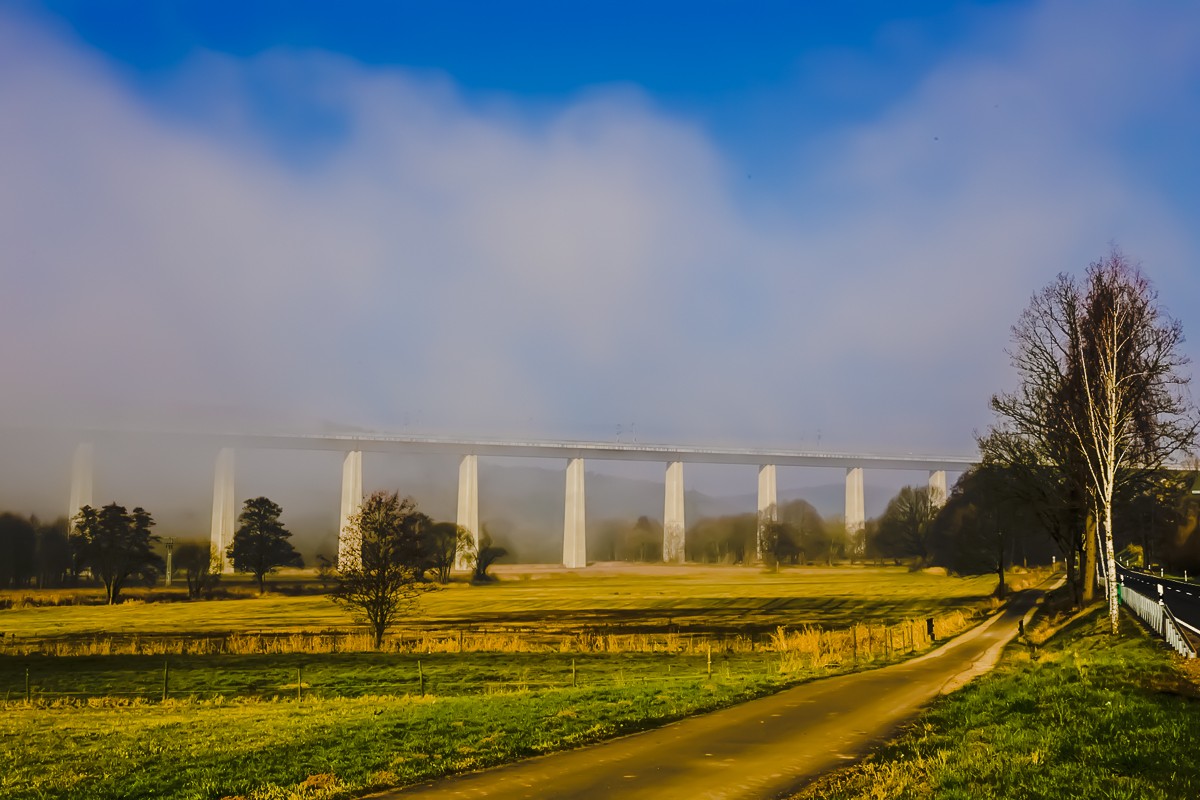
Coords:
285,701
712,600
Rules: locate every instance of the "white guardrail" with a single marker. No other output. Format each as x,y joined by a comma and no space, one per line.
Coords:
1160,619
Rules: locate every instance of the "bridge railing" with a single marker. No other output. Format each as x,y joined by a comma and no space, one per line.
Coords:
1155,614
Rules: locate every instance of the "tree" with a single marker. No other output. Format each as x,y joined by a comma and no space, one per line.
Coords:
1133,414
813,538
53,558
18,549
729,539
1041,475
382,586
1102,401
904,526
1151,514
776,543
443,542
488,554
643,542
116,545
978,528
201,565
260,544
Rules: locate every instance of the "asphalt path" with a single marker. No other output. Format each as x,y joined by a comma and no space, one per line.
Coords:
1182,598
765,748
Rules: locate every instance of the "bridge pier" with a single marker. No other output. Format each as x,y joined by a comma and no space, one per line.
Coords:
468,504
81,482
856,513
673,522
574,526
768,507
349,553
937,488
224,502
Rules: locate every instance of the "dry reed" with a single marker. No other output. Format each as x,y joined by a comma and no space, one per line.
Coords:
807,646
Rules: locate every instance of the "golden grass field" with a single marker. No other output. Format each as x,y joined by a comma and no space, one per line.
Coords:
604,597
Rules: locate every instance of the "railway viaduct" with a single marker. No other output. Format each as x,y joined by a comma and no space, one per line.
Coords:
574,453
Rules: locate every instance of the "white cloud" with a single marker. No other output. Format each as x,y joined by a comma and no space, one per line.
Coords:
473,266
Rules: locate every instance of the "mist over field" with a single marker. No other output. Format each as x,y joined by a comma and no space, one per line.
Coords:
297,239
521,500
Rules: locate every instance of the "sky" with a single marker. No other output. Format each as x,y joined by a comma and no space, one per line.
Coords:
720,223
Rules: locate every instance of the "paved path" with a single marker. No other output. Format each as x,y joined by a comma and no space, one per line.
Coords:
761,749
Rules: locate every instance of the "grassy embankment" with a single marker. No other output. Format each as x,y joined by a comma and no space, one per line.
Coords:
1081,716
236,727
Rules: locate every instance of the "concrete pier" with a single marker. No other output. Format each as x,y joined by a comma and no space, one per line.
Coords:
349,555
468,503
856,511
673,522
937,488
224,504
81,482
574,527
768,505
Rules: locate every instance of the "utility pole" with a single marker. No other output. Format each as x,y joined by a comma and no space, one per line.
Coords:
170,543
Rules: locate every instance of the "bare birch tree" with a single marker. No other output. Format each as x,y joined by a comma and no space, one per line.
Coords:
1102,399
1133,412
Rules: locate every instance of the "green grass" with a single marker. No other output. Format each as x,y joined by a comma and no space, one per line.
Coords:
1085,716
732,599
332,675
267,749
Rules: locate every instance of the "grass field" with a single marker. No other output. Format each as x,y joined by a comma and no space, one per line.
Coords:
273,749
233,726
708,599
1084,716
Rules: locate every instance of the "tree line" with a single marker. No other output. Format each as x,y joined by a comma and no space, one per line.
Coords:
33,552
1082,457
117,548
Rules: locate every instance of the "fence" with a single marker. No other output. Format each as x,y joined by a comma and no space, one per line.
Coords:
1160,619
184,680
452,664
860,639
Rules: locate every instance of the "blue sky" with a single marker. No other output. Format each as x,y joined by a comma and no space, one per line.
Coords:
728,223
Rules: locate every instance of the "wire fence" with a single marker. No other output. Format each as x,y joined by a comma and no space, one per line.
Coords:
187,681
278,668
